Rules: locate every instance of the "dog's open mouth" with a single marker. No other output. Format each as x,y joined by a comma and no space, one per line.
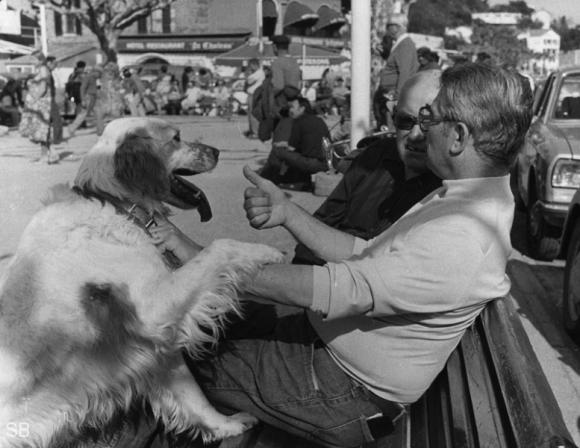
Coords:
187,196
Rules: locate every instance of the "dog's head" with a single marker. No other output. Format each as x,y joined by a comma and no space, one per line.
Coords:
141,159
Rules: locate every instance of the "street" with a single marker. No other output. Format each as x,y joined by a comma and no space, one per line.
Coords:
536,286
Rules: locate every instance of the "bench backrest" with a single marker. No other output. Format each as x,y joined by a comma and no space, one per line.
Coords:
492,392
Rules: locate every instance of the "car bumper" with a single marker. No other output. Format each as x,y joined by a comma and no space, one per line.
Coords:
554,213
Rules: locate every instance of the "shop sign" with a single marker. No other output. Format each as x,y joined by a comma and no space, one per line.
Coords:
198,45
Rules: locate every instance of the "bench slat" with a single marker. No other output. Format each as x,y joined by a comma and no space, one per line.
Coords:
525,390
482,390
461,415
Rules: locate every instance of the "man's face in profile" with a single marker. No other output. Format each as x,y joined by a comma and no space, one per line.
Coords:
295,110
411,140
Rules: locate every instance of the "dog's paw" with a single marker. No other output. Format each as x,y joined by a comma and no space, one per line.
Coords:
231,426
250,253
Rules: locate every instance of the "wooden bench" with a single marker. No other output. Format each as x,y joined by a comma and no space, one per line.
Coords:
491,394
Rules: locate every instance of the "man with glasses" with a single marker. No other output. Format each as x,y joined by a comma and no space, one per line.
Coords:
382,316
387,178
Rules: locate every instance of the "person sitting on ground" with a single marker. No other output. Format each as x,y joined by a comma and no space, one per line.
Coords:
339,93
174,98
382,316
190,104
291,163
386,178
428,60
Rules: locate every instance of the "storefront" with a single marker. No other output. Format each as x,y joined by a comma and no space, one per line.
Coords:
177,50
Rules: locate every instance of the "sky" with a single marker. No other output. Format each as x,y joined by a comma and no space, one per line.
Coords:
558,8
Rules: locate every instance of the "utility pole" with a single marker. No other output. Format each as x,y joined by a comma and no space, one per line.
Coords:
360,63
281,13
43,34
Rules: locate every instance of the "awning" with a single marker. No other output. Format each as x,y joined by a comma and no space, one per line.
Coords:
7,47
269,9
304,54
328,17
298,14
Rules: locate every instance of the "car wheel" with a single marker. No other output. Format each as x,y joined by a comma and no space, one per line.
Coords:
540,244
571,302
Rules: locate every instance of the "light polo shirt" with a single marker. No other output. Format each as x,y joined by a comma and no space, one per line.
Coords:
394,312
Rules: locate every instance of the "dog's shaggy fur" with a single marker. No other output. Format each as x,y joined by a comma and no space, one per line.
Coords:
92,320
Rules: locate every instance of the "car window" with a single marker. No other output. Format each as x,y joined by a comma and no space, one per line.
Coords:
540,104
568,103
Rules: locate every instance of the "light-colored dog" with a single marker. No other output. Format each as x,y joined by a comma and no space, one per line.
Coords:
92,319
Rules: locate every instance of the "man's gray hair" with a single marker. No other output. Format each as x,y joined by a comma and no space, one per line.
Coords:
494,103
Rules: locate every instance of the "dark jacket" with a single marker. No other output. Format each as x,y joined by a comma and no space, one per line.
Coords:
371,196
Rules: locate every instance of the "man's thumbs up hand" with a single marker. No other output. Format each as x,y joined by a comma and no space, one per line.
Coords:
265,203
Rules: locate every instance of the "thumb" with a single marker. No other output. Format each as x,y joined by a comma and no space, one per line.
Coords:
253,177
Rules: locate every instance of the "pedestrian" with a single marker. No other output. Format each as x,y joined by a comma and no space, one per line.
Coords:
72,87
286,76
254,77
132,93
400,65
35,123
11,103
186,77
55,116
190,104
163,86
91,102
381,316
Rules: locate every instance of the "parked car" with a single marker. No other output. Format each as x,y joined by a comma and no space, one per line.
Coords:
548,168
570,250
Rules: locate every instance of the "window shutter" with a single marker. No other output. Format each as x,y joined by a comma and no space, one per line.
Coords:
57,23
166,19
142,25
79,27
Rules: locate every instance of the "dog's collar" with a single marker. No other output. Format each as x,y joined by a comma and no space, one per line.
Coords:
134,213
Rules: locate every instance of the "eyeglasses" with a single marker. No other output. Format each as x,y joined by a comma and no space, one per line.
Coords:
404,122
427,119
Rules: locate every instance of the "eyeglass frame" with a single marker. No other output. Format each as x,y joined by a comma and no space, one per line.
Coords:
426,120
423,122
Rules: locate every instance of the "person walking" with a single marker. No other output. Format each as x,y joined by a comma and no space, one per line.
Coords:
401,64
255,78
286,76
73,86
35,123
90,102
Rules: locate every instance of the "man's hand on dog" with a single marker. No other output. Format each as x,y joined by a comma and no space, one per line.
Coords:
265,204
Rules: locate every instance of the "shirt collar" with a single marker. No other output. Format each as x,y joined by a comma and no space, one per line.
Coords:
476,187
398,40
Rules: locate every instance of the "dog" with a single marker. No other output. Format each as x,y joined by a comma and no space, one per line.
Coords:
93,318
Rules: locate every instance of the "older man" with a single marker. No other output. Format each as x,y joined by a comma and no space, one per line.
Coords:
383,315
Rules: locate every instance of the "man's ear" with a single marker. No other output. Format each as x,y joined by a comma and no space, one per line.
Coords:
461,136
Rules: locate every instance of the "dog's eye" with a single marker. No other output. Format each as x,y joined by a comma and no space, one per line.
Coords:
177,138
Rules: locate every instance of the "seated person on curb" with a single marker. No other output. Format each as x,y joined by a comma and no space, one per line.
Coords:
382,316
387,178
291,163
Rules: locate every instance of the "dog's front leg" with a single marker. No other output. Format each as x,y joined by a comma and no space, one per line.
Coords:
208,282
183,407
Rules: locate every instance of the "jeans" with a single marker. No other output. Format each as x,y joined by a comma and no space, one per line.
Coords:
278,370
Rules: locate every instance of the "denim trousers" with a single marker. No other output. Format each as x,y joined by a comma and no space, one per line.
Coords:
277,369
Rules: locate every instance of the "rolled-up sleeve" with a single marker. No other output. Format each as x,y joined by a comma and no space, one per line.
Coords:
411,275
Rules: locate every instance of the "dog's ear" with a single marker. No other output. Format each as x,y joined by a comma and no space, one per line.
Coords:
139,167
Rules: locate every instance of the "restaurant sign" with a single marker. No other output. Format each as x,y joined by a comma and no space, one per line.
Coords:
181,45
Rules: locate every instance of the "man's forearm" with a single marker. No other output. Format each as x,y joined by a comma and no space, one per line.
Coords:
286,284
325,241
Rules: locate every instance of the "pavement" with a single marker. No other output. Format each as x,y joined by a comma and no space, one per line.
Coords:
536,286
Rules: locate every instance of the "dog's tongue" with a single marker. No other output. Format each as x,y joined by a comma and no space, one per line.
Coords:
186,195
